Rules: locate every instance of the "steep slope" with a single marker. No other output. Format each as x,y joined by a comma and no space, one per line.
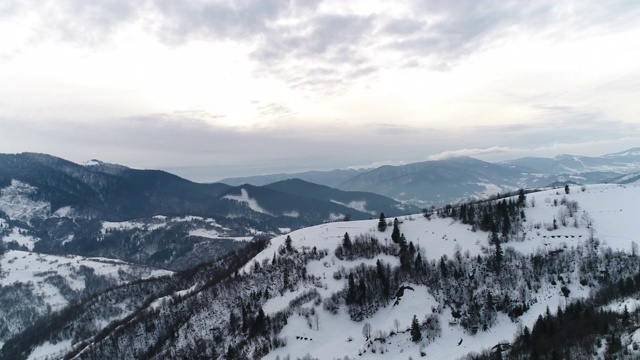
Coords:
362,201
317,292
33,285
108,191
451,180
298,209
330,178
438,182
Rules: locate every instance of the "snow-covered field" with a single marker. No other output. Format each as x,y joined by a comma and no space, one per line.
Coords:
34,268
610,210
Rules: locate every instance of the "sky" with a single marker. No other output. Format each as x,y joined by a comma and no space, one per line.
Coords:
213,89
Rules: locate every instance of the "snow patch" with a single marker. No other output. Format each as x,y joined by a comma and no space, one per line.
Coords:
210,234
21,238
335,217
251,203
360,205
47,350
15,202
293,214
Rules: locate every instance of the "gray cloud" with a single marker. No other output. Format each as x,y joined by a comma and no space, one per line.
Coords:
293,39
189,144
403,26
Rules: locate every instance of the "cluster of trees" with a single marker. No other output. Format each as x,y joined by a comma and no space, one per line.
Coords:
581,329
475,289
502,218
222,315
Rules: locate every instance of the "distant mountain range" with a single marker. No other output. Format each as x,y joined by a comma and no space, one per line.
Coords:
64,206
117,193
155,218
455,179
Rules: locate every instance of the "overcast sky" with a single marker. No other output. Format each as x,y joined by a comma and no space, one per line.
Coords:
213,89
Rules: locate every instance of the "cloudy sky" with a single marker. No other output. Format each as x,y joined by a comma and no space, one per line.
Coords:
212,89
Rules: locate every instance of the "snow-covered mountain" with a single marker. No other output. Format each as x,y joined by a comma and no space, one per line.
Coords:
460,280
55,206
33,285
454,180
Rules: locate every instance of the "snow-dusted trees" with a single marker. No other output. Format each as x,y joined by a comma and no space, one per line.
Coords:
416,332
395,234
382,223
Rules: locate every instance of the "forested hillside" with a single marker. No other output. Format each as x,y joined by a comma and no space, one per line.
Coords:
460,281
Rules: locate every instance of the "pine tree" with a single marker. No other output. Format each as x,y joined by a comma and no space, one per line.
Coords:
382,224
285,279
351,290
416,333
346,242
395,234
362,292
288,244
522,198
566,189
498,256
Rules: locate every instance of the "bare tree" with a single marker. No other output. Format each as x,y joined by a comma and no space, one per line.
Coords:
396,324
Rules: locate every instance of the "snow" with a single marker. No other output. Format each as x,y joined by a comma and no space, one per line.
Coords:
25,267
210,234
49,351
63,212
160,221
335,217
214,235
618,306
612,209
15,202
251,203
360,205
489,190
293,214
21,239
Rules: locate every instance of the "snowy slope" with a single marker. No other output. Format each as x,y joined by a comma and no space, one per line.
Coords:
29,267
51,282
609,209
295,287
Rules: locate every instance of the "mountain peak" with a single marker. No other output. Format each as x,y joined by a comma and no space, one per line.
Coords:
627,153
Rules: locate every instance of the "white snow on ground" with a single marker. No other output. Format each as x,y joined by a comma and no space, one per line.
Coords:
128,225
356,205
25,267
50,351
335,217
293,214
63,212
21,239
212,234
489,190
15,202
612,208
618,306
251,203
160,221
